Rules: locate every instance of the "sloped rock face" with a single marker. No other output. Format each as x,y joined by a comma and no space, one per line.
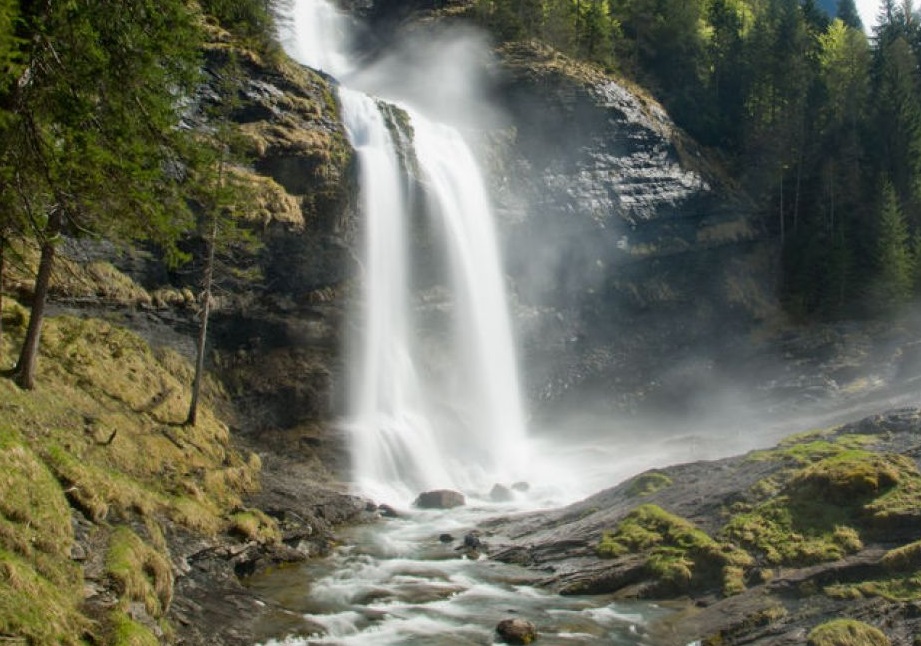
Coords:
779,597
625,245
278,340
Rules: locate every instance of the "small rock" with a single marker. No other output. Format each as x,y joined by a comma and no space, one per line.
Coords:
472,541
77,552
440,499
446,538
516,631
387,511
501,493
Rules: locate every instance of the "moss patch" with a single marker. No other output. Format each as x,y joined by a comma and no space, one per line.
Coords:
648,483
821,511
127,632
847,632
903,583
679,555
140,571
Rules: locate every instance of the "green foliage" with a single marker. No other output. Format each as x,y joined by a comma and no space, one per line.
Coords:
846,632
249,19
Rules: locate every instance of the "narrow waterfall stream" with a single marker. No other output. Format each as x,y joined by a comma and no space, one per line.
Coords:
406,580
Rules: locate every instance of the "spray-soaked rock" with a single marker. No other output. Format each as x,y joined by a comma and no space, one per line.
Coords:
516,631
501,493
440,499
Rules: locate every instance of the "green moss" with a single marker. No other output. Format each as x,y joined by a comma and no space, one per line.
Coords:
679,555
847,632
825,507
790,531
811,446
902,584
141,572
255,525
648,483
903,559
850,476
127,632
33,607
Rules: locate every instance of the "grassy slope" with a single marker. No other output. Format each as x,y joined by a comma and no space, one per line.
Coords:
101,437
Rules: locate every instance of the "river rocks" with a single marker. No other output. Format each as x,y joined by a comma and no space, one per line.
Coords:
440,499
516,631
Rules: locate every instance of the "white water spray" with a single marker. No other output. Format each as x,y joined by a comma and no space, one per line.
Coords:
411,433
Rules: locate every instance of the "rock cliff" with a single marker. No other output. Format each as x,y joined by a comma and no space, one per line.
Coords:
636,245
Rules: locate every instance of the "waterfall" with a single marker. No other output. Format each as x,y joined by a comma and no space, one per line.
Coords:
413,428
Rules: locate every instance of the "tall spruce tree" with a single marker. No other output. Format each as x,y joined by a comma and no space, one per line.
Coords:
893,252
92,144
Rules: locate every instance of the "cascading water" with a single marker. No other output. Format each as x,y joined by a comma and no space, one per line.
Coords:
464,431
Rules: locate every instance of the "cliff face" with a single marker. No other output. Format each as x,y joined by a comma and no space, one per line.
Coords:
626,244
279,341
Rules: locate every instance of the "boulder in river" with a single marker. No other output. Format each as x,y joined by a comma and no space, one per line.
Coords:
501,493
516,631
440,499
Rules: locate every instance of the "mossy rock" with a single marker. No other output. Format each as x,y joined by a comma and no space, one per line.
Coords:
847,632
648,483
679,556
851,476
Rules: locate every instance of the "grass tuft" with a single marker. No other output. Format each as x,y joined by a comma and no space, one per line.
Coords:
847,632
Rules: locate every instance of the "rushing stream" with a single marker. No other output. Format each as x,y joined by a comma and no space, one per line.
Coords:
397,583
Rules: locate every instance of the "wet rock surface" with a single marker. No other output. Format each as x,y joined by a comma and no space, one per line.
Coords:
516,631
777,601
440,499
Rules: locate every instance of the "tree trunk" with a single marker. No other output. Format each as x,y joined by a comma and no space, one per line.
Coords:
2,273
24,372
207,280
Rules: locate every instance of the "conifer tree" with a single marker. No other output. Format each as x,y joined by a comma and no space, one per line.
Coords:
893,252
92,145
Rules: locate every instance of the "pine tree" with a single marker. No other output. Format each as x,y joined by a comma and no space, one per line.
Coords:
895,267
92,138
